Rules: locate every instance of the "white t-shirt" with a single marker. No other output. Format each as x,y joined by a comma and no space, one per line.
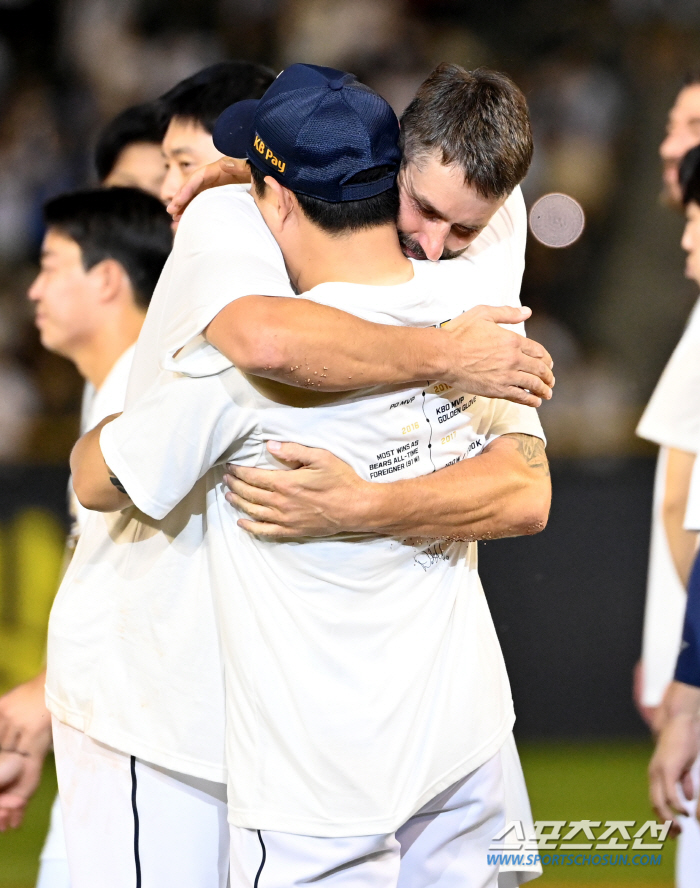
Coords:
363,673
671,419
138,667
692,512
672,416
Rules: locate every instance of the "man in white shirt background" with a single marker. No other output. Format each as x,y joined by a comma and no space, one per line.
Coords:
128,153
672,420
91,297
673,770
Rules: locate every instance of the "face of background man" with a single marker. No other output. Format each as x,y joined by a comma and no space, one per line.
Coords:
66,297
187,146
440,214
682,134
139,165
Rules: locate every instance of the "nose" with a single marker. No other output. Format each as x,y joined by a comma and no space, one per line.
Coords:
172,182
433,239
686,240
675,145
34,291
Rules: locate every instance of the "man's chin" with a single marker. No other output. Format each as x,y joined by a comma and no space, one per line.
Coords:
412,249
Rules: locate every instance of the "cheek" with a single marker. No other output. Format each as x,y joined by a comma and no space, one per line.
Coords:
409,220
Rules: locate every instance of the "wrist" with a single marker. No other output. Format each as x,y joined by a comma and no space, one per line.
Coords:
434,356
368,508
683,701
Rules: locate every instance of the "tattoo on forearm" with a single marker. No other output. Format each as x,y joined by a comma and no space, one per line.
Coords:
118,484
532,451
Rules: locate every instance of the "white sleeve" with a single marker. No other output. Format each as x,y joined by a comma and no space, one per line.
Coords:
513,419
168,438
672,416
222,250
692,511
498,254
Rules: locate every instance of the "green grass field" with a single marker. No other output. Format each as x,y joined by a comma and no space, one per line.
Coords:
576,781
594,781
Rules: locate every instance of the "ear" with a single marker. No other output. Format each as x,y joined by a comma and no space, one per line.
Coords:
109,279
281,205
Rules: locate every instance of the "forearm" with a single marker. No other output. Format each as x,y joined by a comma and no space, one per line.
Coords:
682,543
306,344
505,491
92,479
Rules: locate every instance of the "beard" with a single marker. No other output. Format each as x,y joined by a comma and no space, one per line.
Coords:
413,249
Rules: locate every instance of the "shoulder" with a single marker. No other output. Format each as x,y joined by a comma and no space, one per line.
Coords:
230,206
223,221
507,227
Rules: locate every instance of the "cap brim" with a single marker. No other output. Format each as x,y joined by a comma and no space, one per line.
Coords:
234,129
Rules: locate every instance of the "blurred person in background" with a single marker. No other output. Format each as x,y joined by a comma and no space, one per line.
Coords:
191,109
672,420
101,347
129,151
676,761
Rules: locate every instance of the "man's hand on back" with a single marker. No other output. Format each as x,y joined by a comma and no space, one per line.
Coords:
322,496
504,491
498,363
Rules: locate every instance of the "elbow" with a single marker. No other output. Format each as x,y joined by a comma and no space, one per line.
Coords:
87,495
535,504
262,355
249,333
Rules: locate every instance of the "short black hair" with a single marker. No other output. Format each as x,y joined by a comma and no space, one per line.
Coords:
202,97
124,224
349,215
477,120
689,176
140,123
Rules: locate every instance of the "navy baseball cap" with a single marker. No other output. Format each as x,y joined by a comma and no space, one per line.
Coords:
313,131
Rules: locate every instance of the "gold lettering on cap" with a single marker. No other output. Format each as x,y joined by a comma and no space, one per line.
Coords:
269,155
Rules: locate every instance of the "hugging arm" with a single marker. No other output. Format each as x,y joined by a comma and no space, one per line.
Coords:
505,491
95,485
303,343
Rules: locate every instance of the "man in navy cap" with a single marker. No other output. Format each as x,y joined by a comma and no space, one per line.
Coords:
367,701
466,145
